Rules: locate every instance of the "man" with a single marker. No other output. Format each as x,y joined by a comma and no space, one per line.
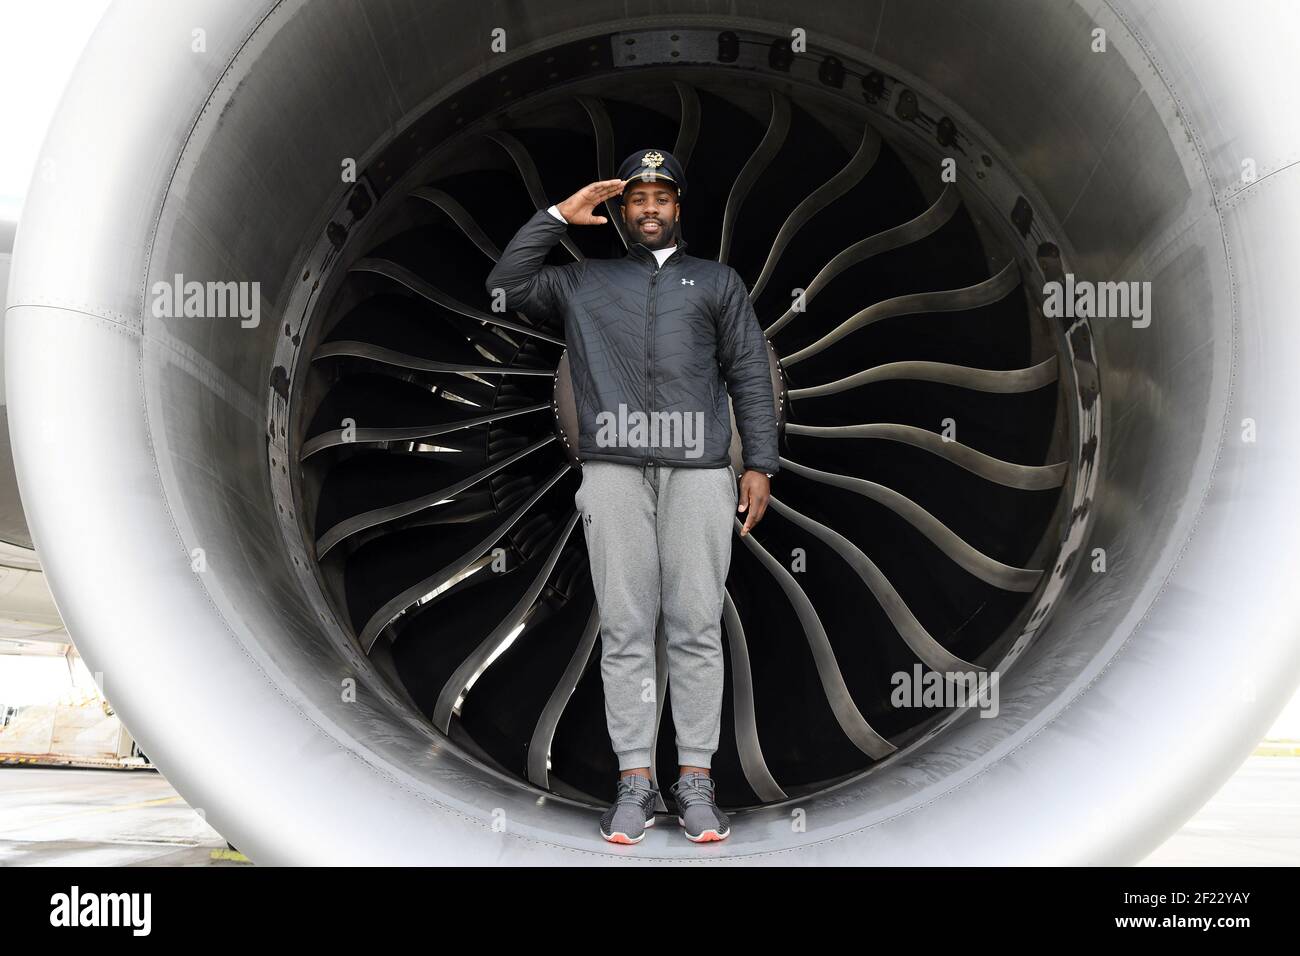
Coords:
650,336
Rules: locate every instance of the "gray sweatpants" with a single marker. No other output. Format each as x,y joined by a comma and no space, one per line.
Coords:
660,547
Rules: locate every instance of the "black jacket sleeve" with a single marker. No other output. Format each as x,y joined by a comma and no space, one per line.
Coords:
530,287
742,352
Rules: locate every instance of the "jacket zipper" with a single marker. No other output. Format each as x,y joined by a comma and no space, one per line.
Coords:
649,335
649,342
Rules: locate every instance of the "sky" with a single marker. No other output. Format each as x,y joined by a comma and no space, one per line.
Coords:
40,41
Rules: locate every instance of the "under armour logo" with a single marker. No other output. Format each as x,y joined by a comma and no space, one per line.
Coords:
587,518
688,282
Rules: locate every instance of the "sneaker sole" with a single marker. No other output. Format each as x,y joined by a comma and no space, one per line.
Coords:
619,837
707,836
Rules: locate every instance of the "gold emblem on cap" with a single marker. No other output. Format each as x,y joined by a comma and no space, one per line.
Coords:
652,159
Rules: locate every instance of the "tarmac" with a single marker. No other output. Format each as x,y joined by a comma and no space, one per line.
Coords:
60,816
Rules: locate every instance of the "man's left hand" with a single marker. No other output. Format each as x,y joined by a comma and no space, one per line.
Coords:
755,488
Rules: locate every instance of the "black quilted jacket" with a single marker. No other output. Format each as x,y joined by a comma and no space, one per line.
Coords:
653,340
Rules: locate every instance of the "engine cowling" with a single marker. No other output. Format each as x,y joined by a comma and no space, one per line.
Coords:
180,507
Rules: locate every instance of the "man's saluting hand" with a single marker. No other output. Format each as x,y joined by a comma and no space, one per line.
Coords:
576,210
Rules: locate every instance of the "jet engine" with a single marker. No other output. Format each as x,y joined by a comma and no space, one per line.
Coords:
303,496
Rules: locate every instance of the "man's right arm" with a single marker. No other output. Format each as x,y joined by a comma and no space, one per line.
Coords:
529,286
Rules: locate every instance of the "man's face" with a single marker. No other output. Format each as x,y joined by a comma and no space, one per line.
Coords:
650,212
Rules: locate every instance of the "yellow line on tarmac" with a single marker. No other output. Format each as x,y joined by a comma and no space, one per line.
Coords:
83,813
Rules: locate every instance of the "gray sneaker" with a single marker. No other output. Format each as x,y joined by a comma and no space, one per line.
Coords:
697,812
633,810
